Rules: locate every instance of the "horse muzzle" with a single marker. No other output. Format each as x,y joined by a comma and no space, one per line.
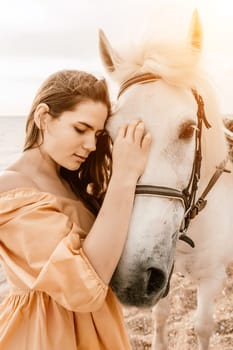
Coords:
144,289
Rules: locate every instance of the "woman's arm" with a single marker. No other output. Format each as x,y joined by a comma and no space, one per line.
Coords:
105,242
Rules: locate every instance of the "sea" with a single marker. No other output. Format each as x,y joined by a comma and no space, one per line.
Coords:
12,134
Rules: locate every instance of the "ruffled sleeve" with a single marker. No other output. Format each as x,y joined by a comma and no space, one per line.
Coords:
41,248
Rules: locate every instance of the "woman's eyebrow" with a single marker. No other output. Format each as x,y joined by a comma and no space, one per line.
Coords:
86,125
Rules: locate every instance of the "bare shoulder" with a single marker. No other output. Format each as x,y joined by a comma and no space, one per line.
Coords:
10,180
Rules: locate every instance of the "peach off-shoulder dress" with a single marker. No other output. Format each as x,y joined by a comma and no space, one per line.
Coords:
57,301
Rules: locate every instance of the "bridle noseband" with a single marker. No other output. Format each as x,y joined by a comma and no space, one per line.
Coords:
187,195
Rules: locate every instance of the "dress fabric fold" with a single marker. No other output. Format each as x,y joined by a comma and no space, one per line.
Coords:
57,301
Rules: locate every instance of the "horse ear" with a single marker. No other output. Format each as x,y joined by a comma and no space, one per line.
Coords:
195,32
109,56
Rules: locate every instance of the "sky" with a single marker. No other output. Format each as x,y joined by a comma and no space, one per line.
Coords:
39,37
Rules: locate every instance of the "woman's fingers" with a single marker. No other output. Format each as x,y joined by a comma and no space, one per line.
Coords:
147,139
132,128
139,132
130,150
122,131
135,131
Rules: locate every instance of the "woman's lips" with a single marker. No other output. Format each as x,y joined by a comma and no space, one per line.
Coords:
80,158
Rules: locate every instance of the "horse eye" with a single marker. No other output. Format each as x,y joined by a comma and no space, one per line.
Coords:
186,130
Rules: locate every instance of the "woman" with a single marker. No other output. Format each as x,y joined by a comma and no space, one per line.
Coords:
61,232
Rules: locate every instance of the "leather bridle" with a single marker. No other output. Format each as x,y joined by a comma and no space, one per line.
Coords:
188,195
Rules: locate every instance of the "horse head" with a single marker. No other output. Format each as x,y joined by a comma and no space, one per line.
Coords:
161,83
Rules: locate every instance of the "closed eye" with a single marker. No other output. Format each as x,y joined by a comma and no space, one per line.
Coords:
186,130
79,130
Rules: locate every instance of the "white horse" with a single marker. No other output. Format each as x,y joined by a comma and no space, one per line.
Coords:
162,84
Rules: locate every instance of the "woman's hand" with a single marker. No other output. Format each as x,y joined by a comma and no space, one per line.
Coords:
130,150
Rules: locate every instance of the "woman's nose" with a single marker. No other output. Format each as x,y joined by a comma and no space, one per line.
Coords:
90,143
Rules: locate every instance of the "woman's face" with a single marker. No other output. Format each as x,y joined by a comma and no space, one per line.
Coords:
69,139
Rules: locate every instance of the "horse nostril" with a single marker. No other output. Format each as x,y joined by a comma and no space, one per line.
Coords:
156,280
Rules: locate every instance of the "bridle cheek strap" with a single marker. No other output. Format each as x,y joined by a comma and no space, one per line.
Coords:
190,212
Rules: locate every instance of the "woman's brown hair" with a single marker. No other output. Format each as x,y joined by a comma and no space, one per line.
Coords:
61,92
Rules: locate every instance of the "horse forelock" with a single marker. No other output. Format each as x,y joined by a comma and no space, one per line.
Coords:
178,63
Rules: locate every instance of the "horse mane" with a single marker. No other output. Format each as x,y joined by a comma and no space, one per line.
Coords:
181,65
